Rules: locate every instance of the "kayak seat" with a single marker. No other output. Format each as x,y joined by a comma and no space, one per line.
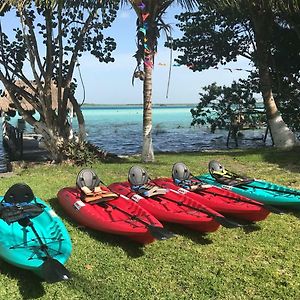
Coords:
224,176
183,177
97,195
191,185
139,178
17,204
149,190
18,193
230,179
89,184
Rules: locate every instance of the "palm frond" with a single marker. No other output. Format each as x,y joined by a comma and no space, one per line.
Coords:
188,4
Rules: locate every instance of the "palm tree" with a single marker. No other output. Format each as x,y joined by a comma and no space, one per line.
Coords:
149,24
261,14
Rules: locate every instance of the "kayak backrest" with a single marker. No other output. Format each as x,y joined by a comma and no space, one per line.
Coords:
19,192
215,168
180,172
87,178
137,176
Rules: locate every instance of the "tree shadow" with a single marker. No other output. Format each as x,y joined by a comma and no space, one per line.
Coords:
193,235
132,248
286,159
29,284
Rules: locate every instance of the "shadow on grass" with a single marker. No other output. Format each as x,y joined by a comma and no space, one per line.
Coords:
247,226
193,235
132,248
251,228
286,159
90,289
292,211
30,285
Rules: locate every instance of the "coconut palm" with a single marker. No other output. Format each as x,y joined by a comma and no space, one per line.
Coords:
261,14
149,25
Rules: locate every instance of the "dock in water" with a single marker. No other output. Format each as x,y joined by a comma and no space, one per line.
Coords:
22,145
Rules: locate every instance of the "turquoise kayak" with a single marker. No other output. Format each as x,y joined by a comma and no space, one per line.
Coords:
32,236
259,190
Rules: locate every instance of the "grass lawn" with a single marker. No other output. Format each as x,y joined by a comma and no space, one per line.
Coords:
260,262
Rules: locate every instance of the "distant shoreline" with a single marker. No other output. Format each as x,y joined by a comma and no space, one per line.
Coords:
137,105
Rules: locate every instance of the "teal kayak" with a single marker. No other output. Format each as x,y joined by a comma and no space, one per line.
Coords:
259,190
32,236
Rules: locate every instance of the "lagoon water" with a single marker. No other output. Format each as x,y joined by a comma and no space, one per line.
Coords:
119,130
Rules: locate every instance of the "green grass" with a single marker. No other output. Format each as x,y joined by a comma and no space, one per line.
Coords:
261,262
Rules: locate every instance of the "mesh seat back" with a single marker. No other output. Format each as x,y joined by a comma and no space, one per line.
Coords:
87,178
137,176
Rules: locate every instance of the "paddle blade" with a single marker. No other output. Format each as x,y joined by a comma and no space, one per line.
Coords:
53,271
160,233
226,222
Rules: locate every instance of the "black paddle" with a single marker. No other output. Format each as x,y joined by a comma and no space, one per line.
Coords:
269,189
267,206
51,270
245,183
157,232
220,219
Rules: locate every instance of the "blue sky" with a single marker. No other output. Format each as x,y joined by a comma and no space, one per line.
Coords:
111,83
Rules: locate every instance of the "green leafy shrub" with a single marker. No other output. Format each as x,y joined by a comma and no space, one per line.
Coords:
84,153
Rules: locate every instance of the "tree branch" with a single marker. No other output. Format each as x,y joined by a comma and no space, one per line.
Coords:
77,46
30,51
34,48
10,87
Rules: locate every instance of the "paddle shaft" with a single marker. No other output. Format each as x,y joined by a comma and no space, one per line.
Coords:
134,217
257,203
27,222
236,176
268,189
232,197
219,218
180,203
158,233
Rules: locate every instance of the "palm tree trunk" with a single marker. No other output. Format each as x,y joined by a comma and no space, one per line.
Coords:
282,136
147,152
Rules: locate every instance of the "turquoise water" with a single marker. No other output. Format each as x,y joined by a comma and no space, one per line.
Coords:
119,130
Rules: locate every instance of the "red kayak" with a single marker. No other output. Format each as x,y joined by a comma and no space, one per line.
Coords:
221,200
170,206
98,208
108,218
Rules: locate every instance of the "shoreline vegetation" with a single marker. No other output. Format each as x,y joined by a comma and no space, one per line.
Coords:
254,262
